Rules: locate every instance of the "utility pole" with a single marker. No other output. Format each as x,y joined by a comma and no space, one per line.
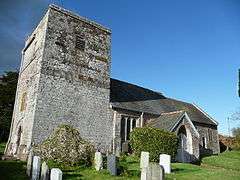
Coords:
239,82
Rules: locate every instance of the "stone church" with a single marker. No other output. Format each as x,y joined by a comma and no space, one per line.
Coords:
65,79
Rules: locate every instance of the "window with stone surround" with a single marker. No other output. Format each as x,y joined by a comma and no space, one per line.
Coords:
210,135
204,142
23,102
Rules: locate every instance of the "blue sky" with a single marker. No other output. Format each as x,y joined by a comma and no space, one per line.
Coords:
189,50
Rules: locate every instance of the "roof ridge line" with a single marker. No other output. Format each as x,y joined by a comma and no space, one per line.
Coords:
173,112
139,86
205,113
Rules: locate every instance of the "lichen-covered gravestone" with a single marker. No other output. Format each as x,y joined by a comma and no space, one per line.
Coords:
56,174
112,164
144,162
36,165
145,173
165,161
98,161
29,163
157,172
44,172
125,147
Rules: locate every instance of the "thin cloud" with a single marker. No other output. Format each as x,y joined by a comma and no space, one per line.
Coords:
17,20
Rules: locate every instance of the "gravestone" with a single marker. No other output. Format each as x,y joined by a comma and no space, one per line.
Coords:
165,161
144,163
36,165
112,164
29,163
157,172
98,161
146,173
125,147
44,172
56,174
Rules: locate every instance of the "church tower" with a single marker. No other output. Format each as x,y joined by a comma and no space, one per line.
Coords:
64,79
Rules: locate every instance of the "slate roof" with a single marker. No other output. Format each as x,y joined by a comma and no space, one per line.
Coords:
131,97
166,120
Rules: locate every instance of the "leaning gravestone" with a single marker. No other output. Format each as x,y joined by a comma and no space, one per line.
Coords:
56,174
157,172
29,163
36,165
112,164
44,172
165,161
98,161
144,162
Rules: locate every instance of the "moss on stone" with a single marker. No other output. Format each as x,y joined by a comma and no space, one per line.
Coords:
66,146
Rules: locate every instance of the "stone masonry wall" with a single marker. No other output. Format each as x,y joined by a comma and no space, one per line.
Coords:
211,135
74,85
23,116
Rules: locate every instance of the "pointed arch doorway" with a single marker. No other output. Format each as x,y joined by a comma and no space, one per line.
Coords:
185,148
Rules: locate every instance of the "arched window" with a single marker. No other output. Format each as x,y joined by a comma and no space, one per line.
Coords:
23,102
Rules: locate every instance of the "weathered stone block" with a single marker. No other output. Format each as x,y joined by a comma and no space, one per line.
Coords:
36,167
29,163
157,171
44,172
112,164
144,162
165,161
56,174
98,161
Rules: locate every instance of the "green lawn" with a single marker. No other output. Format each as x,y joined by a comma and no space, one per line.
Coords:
226,166
11,170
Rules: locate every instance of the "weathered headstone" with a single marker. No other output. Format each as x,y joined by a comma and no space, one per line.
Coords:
112,164
125,147
29,163
44,172
157,171
56,174
144,160
98,161
165,161
36,166
146,173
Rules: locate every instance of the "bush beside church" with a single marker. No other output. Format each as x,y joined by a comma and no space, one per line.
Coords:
153,140
66,146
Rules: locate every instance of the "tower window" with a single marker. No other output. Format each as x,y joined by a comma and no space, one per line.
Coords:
204,142
80,43
23,102
210,135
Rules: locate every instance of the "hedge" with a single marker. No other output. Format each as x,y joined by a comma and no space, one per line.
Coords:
153,140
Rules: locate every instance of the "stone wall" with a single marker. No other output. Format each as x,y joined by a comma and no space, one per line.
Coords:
65,79
25,102
75,79
209,132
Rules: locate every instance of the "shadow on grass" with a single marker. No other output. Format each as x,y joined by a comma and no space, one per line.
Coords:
183,170
12,170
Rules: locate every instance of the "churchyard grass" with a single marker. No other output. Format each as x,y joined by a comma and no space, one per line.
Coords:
15,170
225,166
